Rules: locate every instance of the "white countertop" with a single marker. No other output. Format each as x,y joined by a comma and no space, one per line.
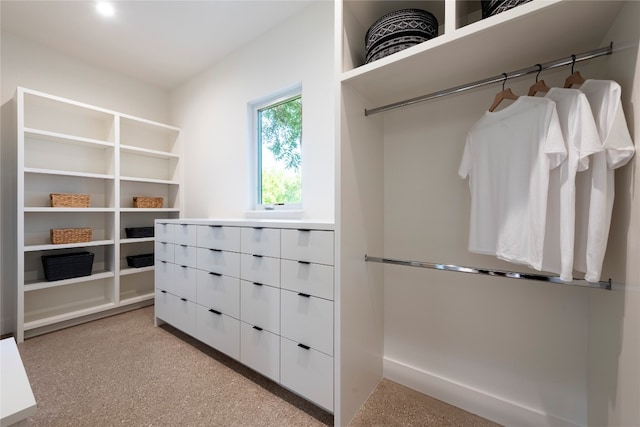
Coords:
251,222
16,398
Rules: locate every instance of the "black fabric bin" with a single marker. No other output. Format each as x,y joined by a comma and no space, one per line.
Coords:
142,260
67,266
136,232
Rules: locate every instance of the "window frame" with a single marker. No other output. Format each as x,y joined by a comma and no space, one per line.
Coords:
256,149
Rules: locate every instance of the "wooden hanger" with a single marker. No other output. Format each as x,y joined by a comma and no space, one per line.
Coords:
502,95
575,78
539,85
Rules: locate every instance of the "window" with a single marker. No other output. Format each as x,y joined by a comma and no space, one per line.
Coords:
279,151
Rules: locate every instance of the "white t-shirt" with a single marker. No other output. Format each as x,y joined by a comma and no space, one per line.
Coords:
507,156
581,136
595,186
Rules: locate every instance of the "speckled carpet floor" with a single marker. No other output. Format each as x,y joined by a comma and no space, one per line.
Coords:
123,371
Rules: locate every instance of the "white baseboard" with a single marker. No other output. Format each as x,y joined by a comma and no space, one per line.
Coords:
475,401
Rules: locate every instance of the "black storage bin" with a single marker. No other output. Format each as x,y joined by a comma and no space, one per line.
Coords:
142,260
67,266
136,232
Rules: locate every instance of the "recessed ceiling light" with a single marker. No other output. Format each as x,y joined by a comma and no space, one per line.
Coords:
105,8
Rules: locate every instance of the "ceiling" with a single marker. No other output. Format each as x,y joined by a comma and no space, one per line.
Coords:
162,43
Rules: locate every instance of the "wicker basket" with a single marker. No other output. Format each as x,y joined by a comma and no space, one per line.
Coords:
70,235
61,200
147,202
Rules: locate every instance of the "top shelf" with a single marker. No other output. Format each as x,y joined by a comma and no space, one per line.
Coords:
534,32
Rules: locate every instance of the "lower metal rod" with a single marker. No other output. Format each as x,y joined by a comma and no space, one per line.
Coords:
491,80
496,273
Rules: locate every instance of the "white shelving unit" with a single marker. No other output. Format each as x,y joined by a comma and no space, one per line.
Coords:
64,146
398,194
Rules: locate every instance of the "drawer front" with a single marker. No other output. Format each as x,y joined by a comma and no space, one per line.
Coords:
218,237
164,276
260,350
185,282
260,241
260,269
184,315
163,232
307,372
164,251
313,246
184,234
260,306
307,320
185,255
218,331
222,293
164,306
308,278
218,261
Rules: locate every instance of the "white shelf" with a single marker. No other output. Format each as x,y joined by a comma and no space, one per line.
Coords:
65,139
37,285
68,315
149,180
33,248
68,173
148,152
449,60
129,271
68,210
136,240
149,210
126,300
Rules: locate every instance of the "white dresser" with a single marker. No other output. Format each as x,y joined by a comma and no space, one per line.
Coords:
261,292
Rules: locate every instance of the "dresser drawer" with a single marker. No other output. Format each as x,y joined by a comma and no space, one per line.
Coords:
260,350
163,232
185,255
164,276
260,241
184,282
308,245
164,303
261,269
307,372
218,331
164,251
260,306
218,261
184,234
307,320
184,316
222,293
308,278
218,237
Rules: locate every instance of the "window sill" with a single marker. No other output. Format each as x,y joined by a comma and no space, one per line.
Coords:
275,214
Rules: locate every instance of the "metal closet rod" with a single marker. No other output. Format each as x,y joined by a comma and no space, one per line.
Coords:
499,78
496,273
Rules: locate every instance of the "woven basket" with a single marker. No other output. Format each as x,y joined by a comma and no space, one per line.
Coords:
147,202
70,235
67,266
61,200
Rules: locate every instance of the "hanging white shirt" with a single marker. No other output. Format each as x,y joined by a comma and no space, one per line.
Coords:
581,137
508,155
595,187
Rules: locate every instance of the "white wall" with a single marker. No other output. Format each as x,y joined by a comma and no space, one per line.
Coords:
211,109
24,63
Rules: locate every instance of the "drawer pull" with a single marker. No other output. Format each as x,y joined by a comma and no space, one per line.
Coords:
257,283
216,250
184,246
164,262
257,256
304,262
304,295
215,274
184,266
257,328
164,292
214,311
184,299
258,228
304,230
306,347
215,226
